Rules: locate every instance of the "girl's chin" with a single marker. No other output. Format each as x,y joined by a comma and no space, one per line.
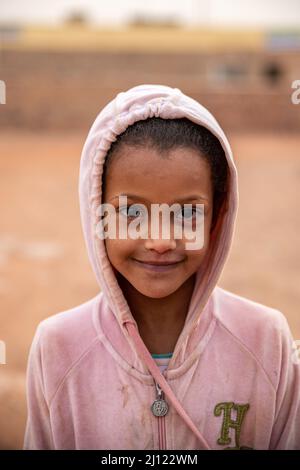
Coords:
154,289
156,293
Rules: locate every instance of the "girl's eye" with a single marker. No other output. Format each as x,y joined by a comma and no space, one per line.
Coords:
135,210
187,213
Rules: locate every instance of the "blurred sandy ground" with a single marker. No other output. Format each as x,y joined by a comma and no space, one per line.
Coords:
44,268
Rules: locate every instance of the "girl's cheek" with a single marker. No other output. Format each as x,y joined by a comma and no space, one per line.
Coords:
121,248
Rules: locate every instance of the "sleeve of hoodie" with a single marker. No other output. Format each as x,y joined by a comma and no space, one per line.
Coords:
38,434
286,429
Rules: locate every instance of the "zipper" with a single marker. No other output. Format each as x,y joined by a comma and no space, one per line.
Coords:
161,420
162,433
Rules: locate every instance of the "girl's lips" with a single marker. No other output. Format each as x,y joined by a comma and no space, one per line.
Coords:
158,267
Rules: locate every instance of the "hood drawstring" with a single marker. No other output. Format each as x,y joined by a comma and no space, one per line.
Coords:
161,381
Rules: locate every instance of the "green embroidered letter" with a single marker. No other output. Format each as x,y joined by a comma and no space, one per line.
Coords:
228,422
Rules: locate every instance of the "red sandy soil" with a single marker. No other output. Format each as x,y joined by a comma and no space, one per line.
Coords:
44,267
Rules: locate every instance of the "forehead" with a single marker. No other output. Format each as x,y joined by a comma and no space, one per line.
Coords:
146,172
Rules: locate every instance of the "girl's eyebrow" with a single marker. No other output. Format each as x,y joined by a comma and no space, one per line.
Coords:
192,197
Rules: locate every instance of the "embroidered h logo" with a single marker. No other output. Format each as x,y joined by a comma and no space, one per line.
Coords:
228,422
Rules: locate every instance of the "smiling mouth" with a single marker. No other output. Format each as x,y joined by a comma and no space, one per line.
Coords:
157,266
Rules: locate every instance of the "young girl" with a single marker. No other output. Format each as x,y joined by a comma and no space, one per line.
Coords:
161,358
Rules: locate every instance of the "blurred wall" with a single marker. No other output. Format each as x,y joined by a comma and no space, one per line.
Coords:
60,78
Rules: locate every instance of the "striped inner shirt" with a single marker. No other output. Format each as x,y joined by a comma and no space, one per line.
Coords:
162,360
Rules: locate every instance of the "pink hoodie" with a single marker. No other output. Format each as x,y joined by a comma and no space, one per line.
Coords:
232,382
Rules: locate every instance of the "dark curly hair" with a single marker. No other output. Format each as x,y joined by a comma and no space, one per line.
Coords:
164,135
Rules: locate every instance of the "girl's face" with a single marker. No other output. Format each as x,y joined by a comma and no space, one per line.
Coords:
183,177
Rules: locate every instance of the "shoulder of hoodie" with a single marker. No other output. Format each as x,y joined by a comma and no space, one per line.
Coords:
259,330
62,340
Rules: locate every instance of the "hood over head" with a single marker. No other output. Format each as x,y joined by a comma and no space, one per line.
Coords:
139,103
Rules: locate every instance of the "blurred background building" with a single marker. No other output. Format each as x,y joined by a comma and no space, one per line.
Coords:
70,58
62,61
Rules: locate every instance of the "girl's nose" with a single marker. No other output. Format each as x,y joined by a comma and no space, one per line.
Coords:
160,245
159,233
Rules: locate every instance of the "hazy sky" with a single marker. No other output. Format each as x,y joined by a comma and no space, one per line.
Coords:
190,12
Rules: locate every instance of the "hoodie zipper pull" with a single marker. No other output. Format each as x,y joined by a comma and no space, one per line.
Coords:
159,407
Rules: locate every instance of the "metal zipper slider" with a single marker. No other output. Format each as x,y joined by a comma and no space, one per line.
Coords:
159,407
